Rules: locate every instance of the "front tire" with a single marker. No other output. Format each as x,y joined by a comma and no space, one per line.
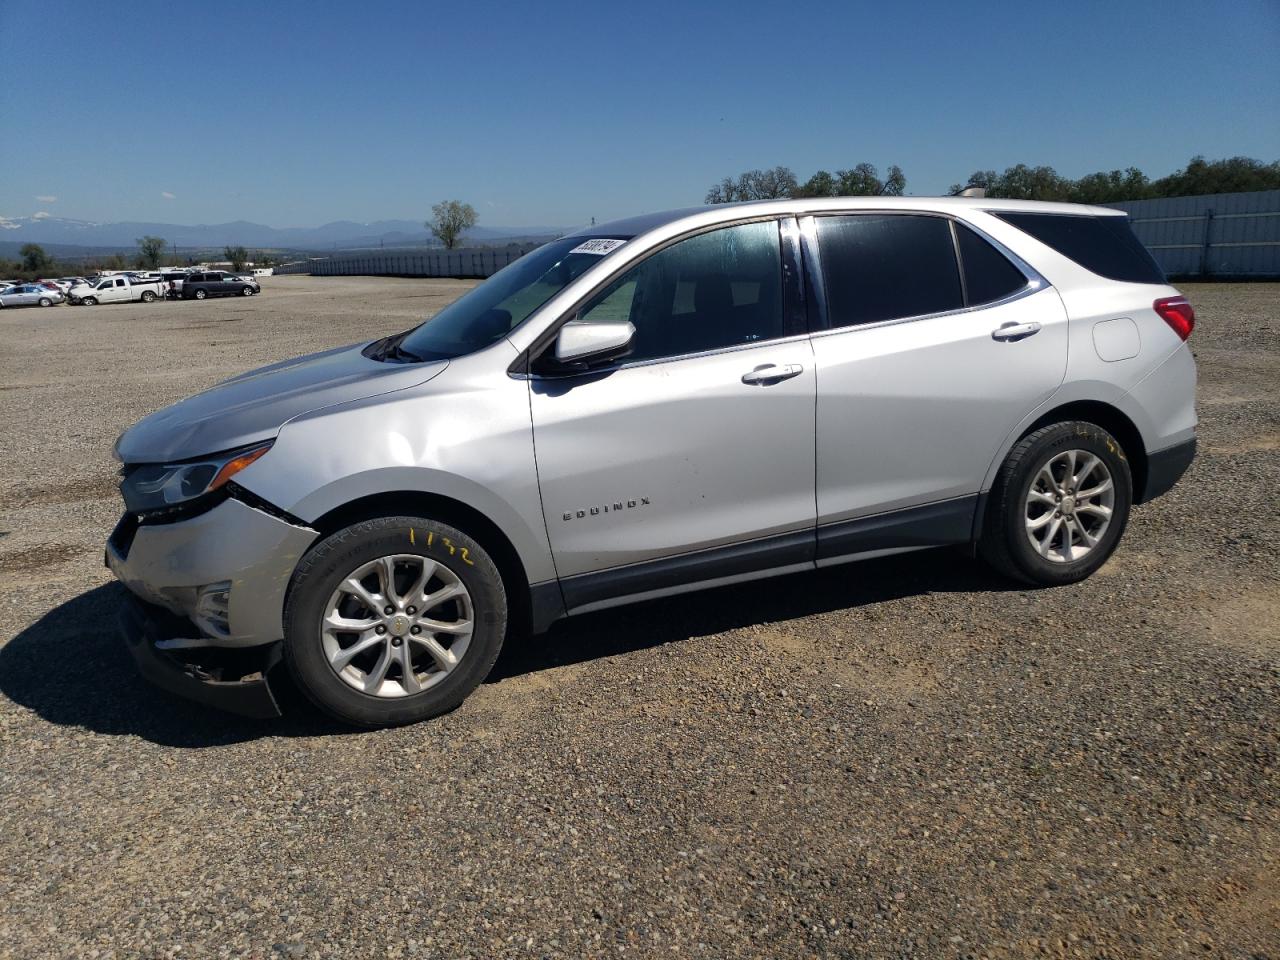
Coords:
394,620
246,291
201,294
1059,505
46,302
90,301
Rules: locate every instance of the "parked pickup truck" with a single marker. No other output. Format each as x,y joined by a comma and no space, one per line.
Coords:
119,289
215,283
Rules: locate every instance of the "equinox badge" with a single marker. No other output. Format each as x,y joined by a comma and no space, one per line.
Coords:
614,507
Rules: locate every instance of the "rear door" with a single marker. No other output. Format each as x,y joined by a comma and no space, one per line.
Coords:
703,438
936,344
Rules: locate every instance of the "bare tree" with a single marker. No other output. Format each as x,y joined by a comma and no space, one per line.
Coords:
775,184
449,220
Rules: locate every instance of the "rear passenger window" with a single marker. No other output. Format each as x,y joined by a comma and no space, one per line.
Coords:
1105,245
988,273
715,290
887,267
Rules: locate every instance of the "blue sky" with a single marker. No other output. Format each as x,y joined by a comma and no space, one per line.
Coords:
294,114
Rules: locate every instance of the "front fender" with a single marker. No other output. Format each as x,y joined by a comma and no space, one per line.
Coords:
466,435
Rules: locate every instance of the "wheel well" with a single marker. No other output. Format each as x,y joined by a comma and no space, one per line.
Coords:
456,513
1116,424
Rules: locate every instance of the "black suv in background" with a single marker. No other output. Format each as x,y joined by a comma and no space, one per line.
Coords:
215,283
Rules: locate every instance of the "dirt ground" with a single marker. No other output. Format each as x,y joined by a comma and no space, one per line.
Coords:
901,758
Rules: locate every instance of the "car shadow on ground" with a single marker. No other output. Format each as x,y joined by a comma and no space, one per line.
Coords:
71,668
700,613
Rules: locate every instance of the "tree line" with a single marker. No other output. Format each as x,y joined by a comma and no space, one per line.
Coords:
1019,182
35,263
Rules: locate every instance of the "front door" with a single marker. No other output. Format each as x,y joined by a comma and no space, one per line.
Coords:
702,438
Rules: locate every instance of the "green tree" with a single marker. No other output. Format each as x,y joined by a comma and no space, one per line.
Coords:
780,183
1232,175
1020,182
238,257
34,259
821,184
150,251
1111,187
449,220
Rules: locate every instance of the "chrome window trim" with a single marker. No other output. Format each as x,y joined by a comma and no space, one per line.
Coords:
627,365
812,248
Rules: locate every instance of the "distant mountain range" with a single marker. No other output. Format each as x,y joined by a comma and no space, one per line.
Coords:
341,234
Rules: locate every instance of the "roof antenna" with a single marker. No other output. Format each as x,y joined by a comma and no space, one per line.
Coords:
973,191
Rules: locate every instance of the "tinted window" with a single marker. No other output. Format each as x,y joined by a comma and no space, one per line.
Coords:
887,267
988,273
1105,245
715,290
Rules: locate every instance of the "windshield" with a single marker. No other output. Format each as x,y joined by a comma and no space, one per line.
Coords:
504,301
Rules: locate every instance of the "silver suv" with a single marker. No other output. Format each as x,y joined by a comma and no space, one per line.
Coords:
651,406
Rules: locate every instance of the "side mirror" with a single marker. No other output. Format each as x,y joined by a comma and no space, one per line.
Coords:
582,342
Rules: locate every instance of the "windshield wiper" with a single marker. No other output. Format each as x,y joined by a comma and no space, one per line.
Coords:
389,349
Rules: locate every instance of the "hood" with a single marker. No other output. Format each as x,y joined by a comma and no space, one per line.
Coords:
254,406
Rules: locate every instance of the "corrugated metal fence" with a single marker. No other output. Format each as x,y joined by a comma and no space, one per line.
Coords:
1216,236
471,262
1221,235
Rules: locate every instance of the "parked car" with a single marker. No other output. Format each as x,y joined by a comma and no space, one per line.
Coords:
116,289
647,407
215,283
30,295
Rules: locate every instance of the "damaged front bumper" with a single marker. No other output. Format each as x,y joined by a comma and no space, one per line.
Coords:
234,680
206,615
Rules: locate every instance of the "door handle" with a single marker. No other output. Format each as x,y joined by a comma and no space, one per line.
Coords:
1015,331
768,373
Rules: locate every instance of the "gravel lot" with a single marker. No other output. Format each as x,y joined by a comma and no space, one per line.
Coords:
890,759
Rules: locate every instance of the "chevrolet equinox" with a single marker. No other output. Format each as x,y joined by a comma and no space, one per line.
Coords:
655,405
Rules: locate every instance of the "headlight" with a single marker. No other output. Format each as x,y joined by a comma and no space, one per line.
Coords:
153,486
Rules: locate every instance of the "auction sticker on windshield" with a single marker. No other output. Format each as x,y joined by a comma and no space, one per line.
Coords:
598,247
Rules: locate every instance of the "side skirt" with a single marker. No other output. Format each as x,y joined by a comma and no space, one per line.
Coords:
914,528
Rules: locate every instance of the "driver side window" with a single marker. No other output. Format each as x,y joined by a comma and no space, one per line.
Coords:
715,290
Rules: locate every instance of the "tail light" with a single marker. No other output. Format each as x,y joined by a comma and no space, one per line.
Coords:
1177,313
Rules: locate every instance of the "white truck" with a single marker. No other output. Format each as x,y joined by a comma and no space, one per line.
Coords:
116,289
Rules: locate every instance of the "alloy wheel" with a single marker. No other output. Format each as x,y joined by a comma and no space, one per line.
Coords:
397,625
1069,505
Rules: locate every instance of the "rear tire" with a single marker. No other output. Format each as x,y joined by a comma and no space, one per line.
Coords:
1059,505
434,656
148,296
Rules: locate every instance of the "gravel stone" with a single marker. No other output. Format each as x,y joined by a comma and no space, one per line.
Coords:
899,758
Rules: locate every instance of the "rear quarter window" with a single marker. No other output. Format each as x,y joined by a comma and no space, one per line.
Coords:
988,274
1104,245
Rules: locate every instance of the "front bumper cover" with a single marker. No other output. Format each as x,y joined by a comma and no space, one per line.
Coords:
167,564
229,679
